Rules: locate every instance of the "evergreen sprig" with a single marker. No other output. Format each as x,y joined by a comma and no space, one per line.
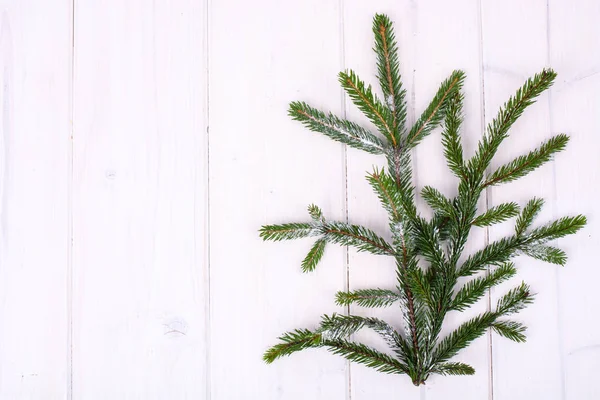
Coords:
388,73
523,165
428,253
497,214
368,298
336,128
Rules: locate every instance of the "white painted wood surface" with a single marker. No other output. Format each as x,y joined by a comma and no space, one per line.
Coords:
143,143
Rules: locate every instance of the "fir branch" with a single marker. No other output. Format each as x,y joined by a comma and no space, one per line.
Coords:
388,72
314,255
442,225
411,310
437,201
502,250
475,289
388,193
515,300
433,114
421,287
316,214
546,253
530,211
362,96
453,150
366,355
523,165
426,238
556,229
355,235
496,253
342,326
335,128
368,298
288,231
338,327
462,337
512,330
426,292
453,368
497,130
512,302
399,164
460,225
299,340
497,214
292,342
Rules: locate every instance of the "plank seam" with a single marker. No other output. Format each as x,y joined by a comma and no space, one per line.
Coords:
207,210
345,177
559,325
70,213
488,196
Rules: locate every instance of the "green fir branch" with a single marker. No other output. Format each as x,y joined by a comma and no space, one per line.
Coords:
530,211
368,298
357,236
302,339
557,229
475,289
453,368
290,231
437,201
388,72
365,355
512,330
400,171
428,253
515,300
545,253
496,253
338,327
292,342
497,214
426,239
335,128
363,97
387,191
462,337
523,165
497,130
316,214
453,149
421,287
314,255
434,113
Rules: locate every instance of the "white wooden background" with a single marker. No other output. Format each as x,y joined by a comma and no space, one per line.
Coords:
143,143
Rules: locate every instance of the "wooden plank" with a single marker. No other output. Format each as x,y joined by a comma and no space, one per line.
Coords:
574,104
266,168
514,49
429,51
35,77
140,276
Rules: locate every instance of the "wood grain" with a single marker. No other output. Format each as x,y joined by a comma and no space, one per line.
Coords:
35,99
140,232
